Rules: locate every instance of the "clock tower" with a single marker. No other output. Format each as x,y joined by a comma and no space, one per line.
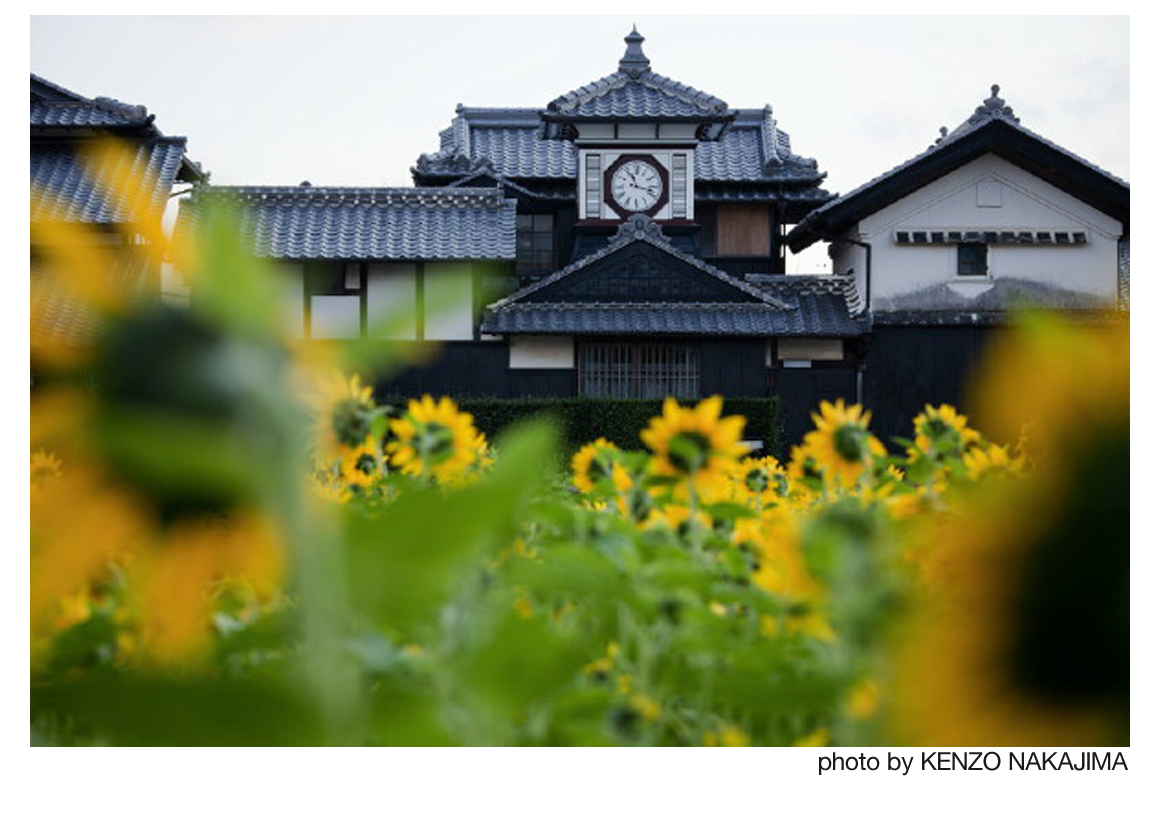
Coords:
636,134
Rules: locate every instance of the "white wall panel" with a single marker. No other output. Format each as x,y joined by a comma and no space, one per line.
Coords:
334,317
448,307
541,352
391,301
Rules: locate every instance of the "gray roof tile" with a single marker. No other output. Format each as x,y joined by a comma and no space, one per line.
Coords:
752,149
368,223
61,190
646,95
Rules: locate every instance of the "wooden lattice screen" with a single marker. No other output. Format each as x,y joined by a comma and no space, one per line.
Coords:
628,370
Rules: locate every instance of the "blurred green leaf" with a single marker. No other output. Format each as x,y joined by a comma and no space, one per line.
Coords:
159,711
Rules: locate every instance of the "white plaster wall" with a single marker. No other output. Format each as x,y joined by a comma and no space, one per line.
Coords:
953,203
541,352
448,306
391,310
334,317
290,287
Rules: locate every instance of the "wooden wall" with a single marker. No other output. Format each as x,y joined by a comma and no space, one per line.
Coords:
743,230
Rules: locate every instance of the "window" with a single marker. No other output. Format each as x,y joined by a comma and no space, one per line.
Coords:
627,370
535,243
335,296
972,259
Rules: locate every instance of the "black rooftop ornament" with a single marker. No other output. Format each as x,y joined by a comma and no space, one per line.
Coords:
993,108
638,226
634,63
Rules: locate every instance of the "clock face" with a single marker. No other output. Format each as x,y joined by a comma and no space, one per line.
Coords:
636,186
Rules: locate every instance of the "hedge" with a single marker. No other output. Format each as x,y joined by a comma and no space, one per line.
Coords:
619,420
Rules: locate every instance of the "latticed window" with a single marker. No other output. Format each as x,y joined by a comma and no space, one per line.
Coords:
628,370
535,243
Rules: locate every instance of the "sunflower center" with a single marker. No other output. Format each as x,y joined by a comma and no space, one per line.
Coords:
936,428
350,422
366,464
757,480
599,468
435,443
689,451
850,442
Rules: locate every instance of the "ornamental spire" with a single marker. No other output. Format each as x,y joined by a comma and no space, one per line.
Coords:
993,108
634,63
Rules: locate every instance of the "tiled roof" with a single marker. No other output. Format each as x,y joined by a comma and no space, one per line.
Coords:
61,190
796,306
368,223
993,110
634,90
787,286
650,95
86,114
723,319
56,317
752,149
639,228
52,105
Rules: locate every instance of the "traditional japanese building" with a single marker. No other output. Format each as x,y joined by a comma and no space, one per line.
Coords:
629,239
64,187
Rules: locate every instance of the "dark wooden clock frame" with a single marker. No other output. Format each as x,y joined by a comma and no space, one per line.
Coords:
623,159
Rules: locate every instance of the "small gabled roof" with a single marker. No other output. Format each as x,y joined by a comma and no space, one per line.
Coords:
638,228
992,128
731,307
304,222
635,90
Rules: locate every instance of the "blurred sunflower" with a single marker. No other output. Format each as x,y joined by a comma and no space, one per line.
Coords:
361,466
344,414
990,459
694,442
841,443
942,431
1021,634
596,462
434,439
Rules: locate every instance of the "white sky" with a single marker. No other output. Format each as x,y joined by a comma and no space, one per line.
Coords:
355,100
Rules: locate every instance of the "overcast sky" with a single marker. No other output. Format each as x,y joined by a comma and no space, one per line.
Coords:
354,101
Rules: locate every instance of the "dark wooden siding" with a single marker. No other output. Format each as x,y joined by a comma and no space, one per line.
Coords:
909,367
801,389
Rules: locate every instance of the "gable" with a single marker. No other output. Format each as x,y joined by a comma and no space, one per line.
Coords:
639,272
990,193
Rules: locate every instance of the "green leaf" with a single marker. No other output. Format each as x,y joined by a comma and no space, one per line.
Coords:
404,563
159,711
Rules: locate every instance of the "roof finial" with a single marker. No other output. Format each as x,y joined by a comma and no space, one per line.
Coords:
993,108
634,63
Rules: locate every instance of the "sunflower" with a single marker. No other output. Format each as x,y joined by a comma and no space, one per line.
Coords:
763,480
990,459
596,462
44,467
344,415
434,439
841,443
694,442
942,431
362,465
